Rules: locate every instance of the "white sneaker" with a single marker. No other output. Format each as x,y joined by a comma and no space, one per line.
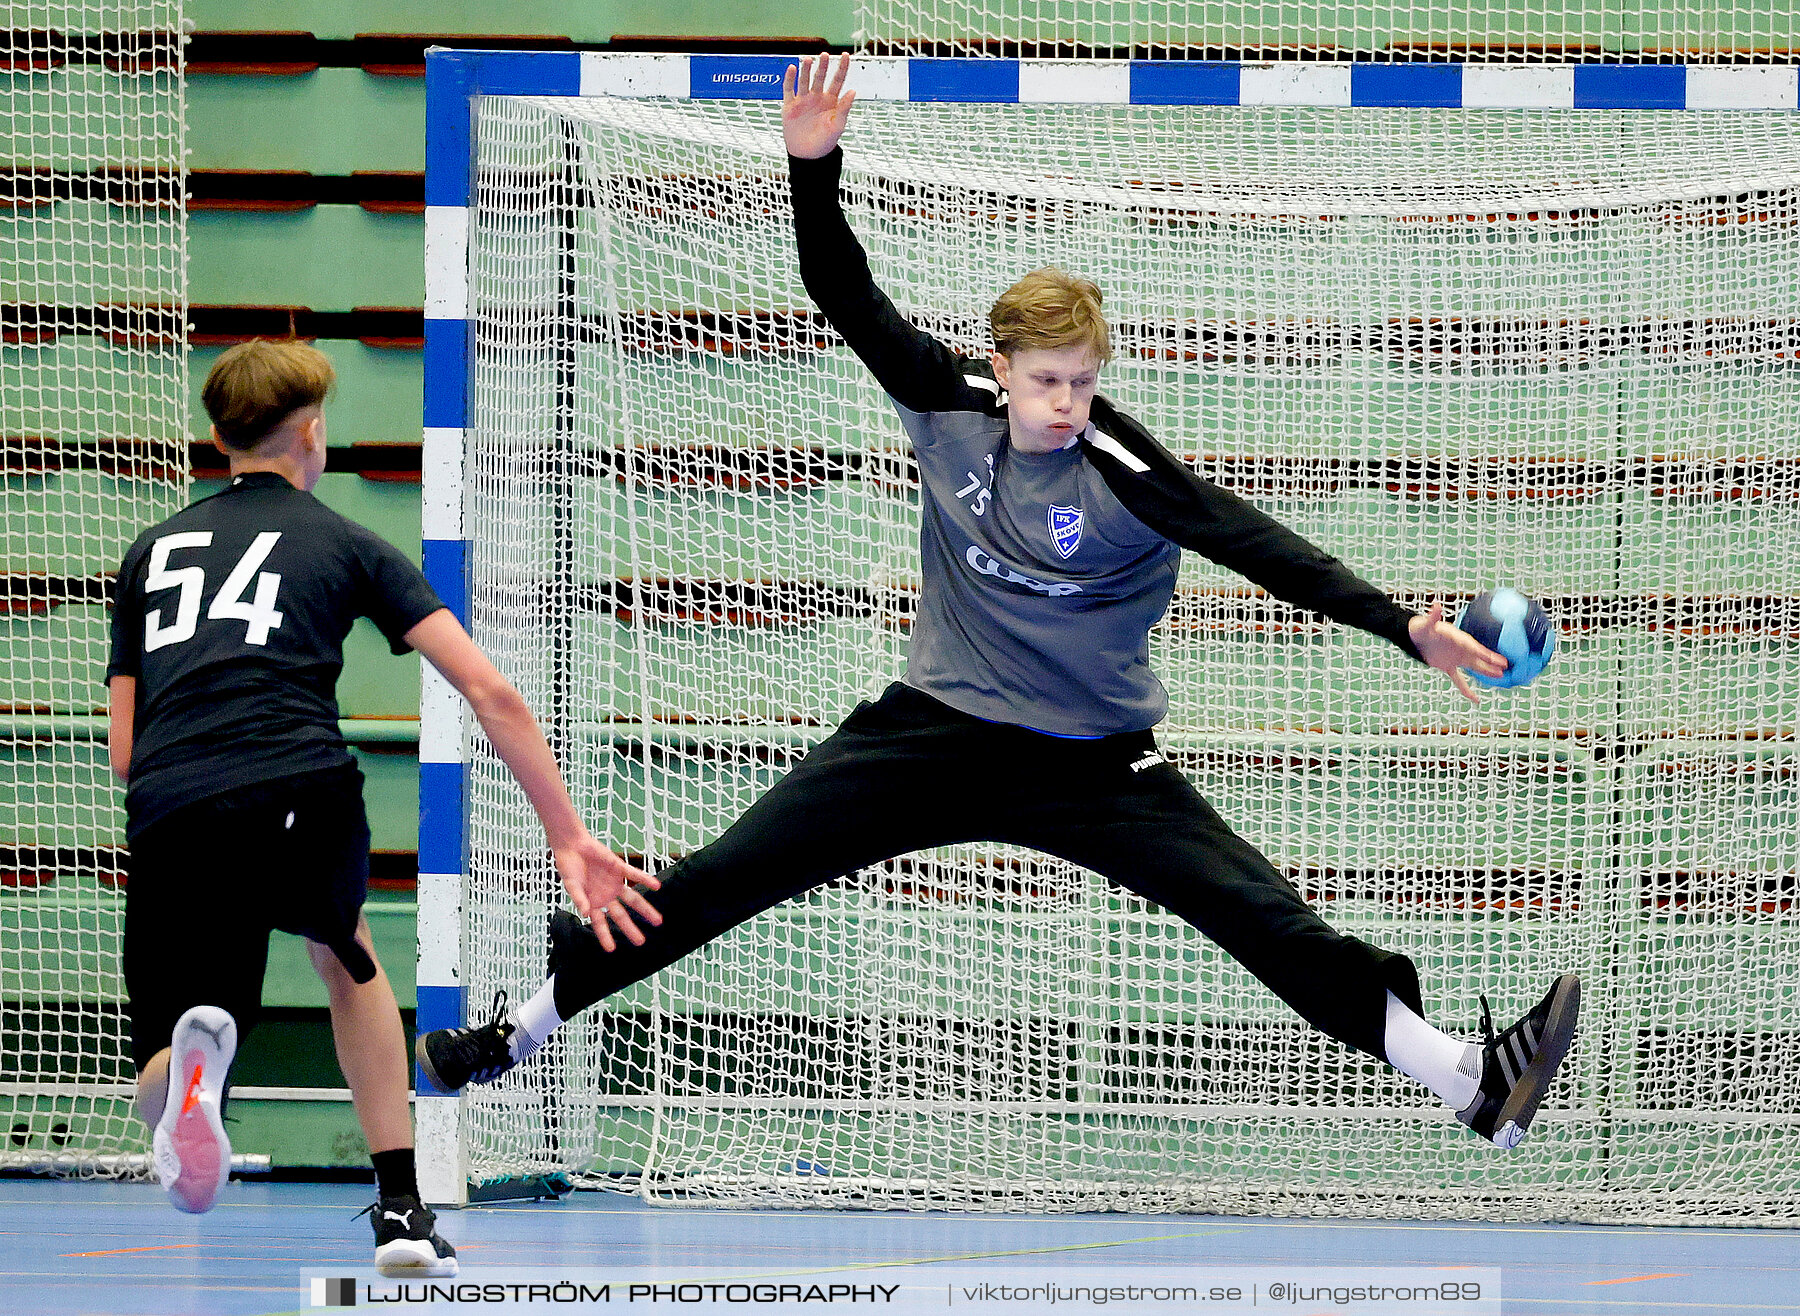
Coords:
193,1155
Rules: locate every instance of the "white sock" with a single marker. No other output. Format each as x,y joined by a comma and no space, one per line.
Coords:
1451,1069
537,1020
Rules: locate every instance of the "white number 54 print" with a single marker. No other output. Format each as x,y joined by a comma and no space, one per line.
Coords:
258,614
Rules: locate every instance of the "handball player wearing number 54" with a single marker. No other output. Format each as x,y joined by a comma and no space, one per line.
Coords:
244,807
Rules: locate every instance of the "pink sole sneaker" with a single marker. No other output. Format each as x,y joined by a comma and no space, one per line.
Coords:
193,1155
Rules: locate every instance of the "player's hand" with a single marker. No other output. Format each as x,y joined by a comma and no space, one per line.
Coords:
1450,650
606,890
813,112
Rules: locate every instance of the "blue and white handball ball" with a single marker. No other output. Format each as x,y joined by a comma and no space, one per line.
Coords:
1516,628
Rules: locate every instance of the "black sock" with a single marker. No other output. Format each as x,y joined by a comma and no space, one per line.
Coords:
396,1173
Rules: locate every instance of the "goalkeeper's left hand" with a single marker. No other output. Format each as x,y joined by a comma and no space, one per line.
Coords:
1450,650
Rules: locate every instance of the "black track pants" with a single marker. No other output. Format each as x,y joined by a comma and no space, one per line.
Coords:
907,773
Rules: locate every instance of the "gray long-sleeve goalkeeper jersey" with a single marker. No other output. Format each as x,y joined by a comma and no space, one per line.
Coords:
1043,573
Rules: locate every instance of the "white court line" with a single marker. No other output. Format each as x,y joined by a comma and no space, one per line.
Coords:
961,1218
1234,1222
852,1266
989,1256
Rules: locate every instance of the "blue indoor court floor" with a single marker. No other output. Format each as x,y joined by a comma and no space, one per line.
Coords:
104,1249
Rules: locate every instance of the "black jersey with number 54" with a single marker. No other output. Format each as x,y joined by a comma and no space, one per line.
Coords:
232,616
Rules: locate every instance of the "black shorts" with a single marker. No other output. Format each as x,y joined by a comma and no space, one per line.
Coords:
908,772
207,883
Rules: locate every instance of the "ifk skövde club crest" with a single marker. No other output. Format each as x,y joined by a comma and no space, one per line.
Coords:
1065,529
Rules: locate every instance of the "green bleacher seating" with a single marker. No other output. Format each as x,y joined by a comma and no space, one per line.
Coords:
390,793
53,790
43,376
67,523
333,121
328,258
581,20
38,136
54,661
137,265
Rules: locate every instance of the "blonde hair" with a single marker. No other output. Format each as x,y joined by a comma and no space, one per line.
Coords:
1050,308
255,386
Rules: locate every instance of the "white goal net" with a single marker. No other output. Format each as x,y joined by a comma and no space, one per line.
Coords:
93,419
1550,349
1485,31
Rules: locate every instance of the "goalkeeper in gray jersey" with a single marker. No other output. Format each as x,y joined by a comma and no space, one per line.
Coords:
1052,526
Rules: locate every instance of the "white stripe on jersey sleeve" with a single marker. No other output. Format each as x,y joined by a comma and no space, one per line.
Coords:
1113,448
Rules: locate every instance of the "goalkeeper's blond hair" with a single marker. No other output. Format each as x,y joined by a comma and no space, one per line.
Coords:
255,386
1051,308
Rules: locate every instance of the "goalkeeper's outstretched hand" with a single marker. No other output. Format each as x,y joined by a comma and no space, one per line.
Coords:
815,106
605,889
1450,650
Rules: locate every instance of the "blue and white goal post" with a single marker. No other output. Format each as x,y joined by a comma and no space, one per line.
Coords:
1452,381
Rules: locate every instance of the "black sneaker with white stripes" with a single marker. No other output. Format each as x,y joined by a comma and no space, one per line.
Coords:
406,1240
452,1058
1518,1065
